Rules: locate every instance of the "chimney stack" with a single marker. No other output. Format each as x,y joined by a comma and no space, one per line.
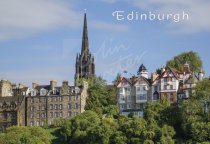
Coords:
34,85
162,69
65,82
53,84
154,76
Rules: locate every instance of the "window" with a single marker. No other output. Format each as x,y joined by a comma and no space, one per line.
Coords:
38,123
138,106
60,98
43,92
43,108
165,79
51,106
127,90
38,108
155,96
69,98
76,106
31,123
171,97
76,97
141,97
32,108
32,116
129,98
69,114
61,114
56,106
171,87
60,106
122,106
55,99
43,115
169,79
44,99
56,114
138,89
165,87
121,90
38,100
51,114
38,115
122,97
129,106
51,99
33,93
69,106
32,100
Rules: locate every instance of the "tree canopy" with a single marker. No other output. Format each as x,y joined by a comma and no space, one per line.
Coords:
25,135
190,57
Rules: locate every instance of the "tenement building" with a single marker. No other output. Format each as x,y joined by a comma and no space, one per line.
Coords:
84,67
12,108
46,103
41,104
133,93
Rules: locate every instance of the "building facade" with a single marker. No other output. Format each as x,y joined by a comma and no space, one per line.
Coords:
84,67
135,92
46,103
12,111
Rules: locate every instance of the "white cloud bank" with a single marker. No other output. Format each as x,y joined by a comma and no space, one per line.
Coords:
198,11
26,17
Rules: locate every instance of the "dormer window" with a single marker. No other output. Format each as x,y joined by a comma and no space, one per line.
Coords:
43,92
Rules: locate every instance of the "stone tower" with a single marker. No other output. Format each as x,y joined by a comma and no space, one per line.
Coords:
84,67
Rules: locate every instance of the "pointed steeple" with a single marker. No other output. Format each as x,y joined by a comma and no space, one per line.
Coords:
85,43
85,67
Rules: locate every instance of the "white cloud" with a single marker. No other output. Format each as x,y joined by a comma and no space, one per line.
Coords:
197,10
109,26
26,17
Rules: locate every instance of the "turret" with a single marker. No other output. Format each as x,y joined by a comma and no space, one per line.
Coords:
200,74
142,71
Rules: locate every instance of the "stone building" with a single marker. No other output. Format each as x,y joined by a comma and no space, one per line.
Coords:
12,111
133,93
84,67
5,88
46,103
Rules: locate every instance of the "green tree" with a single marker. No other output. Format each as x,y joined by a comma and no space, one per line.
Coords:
100,98
191,57
26,135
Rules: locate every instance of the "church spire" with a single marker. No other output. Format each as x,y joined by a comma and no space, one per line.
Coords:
85,67
85,43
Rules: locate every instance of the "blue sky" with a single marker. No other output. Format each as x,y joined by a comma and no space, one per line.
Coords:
39,39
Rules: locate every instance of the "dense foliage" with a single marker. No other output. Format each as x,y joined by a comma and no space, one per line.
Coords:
25,135
191,58
102,98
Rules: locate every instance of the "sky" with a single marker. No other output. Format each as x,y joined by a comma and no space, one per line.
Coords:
39,39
